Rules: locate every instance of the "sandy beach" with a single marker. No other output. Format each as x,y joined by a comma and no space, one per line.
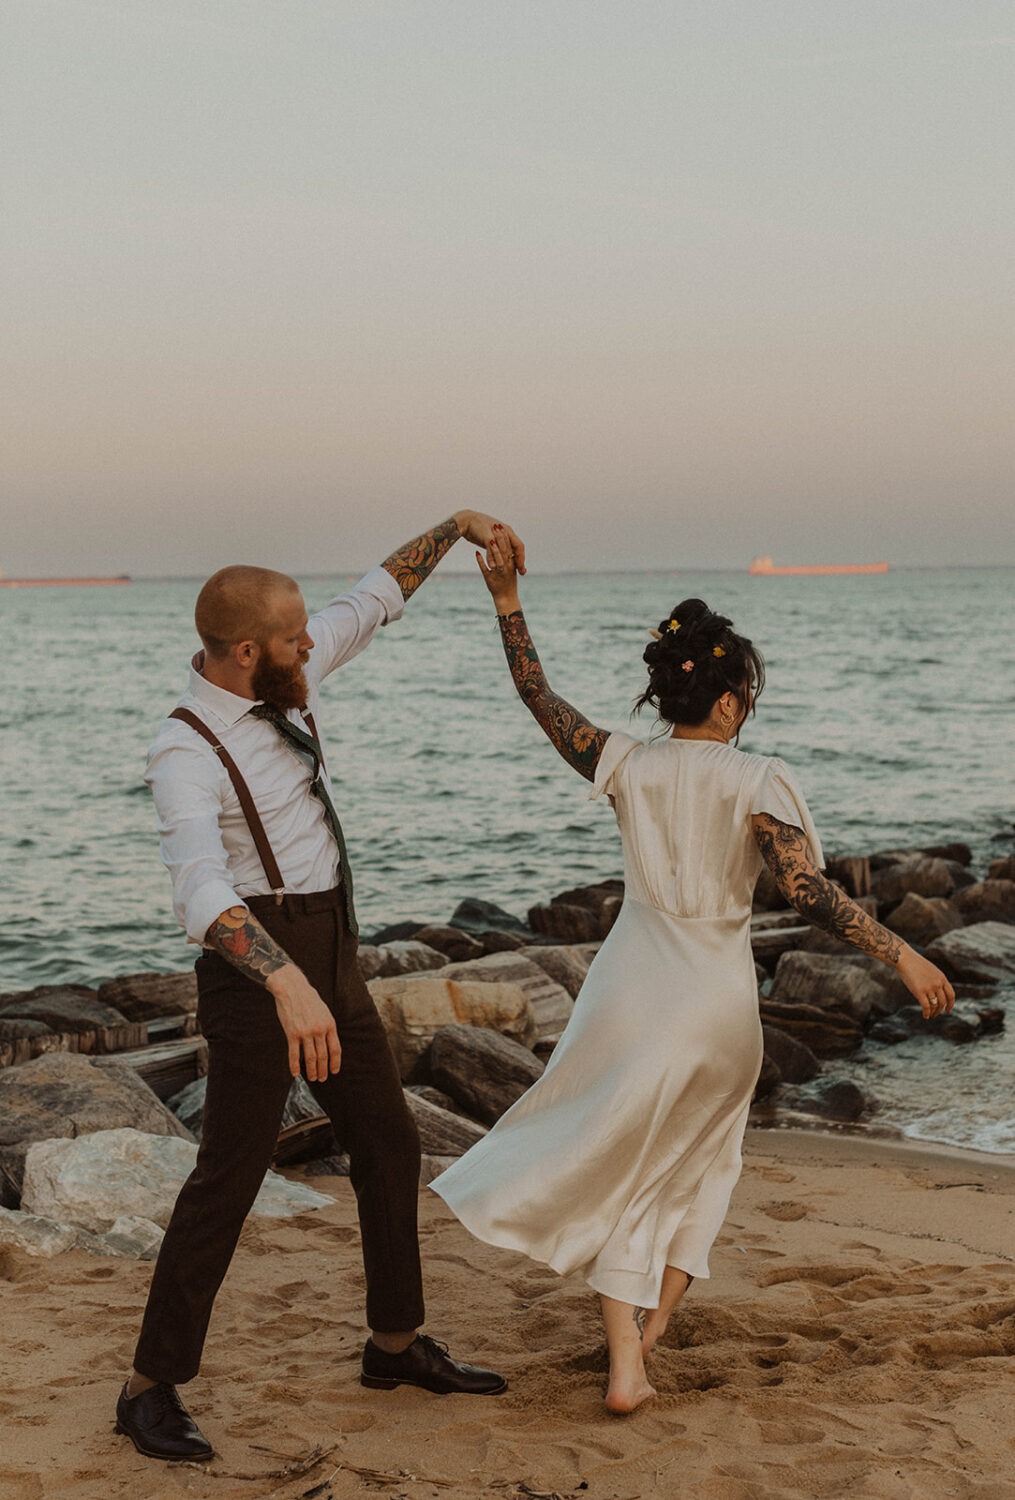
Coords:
857,1338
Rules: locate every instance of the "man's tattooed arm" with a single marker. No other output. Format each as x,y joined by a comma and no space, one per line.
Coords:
578,741
239,937
784,850
414,562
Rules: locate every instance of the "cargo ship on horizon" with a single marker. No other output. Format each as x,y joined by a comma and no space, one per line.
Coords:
52,583
763,567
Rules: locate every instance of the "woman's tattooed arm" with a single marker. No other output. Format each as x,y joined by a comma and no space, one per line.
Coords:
414,562
784,849
578,741
239,937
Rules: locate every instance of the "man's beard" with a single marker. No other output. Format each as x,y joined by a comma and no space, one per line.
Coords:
281,687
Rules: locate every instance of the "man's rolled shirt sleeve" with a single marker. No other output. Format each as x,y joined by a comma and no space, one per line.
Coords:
185,781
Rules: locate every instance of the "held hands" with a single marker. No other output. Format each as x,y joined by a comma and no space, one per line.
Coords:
500,572
480,530
926,982
308,1024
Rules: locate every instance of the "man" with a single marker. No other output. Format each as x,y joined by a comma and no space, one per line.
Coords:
260,879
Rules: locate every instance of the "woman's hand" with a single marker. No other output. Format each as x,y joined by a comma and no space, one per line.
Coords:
926,982
500,572
482,530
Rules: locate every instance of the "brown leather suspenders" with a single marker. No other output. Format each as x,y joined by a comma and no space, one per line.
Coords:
246,801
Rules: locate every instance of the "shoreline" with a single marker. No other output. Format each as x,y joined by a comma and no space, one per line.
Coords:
869,1148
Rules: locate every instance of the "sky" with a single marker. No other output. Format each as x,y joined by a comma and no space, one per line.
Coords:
663,283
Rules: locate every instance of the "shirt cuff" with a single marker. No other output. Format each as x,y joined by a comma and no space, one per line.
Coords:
206,905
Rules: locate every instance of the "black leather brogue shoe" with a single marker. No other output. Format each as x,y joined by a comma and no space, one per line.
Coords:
427,1363
160,1426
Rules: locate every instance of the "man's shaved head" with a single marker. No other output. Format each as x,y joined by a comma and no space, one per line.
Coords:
239,603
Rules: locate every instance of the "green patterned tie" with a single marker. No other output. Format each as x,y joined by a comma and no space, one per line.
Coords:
310,746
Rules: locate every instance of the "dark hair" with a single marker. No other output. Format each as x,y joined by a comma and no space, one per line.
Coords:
698,657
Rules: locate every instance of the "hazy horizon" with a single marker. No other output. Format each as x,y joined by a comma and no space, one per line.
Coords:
647,281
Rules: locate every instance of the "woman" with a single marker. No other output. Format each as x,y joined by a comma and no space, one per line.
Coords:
619,1162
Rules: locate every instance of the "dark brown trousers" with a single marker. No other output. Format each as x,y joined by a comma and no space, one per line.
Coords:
248,1081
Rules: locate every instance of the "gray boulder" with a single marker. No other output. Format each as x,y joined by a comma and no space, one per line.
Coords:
567,966
566,923
817,979
409,957
983,953
64,1095
795,1061
828,1033
476,917
400,956
956,852
442,1133
927,877
456,945
496,941
78,1015
21,1040
987,901
832,1099
147,997
188,1105
769,1079
95,1180
582,915
485,1071
550,1002
921,919
129,1238
413,1007
852,872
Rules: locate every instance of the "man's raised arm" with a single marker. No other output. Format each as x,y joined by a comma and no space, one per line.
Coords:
414,562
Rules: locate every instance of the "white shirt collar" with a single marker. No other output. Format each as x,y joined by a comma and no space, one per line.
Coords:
227,707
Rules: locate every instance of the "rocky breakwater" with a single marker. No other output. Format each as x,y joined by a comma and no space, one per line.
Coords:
101,1091
826,997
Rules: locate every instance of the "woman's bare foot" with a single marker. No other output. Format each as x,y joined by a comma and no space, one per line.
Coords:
627,1392
656,1319
655,1327
628,1386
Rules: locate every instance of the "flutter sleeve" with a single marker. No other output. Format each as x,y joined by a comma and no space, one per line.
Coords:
777,794
615,752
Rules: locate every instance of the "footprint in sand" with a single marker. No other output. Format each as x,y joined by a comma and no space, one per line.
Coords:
786,1211
773,1174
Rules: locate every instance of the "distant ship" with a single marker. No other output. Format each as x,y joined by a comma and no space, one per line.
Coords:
52,583
765,568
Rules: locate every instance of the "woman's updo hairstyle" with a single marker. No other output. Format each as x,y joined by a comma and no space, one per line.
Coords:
697,657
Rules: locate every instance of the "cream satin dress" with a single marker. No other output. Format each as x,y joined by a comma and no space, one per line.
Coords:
621,1159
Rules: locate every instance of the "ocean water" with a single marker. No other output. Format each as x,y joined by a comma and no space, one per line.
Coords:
892,697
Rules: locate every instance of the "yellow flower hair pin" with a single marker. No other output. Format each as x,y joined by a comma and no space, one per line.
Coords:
718,650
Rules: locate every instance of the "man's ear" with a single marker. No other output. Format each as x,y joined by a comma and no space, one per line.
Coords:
247,653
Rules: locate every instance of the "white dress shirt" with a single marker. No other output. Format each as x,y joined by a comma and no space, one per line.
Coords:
204,838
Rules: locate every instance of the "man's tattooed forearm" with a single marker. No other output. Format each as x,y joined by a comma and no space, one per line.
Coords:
239,936
414,562
784,850
577,740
